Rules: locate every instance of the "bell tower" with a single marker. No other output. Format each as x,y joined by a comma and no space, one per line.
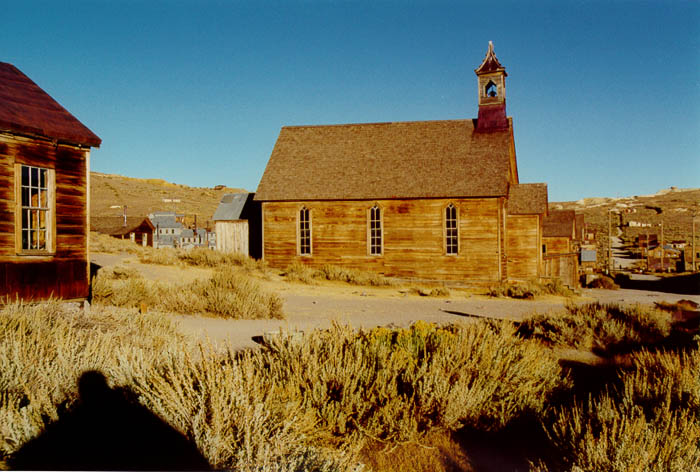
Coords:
491,78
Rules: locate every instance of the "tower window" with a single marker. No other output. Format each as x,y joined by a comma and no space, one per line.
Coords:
491,89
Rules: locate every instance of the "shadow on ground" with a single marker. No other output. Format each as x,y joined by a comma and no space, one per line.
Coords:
107,429
686,284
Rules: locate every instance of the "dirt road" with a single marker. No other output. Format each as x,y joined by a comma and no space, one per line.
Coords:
317,306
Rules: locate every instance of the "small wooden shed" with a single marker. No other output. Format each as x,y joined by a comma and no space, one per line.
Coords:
560,252
238,225
44,194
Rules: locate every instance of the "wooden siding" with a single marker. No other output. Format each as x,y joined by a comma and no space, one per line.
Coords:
563,267
232,236
62,273
523,246
413,237
557,244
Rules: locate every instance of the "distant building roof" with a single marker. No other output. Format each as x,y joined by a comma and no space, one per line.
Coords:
415,159
559,223
27,109
527,199
114,225
165,220
231,206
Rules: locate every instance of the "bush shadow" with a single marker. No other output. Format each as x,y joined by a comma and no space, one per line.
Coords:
107,429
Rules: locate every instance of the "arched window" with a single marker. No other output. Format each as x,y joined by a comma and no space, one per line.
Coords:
451,230
375,231
491,89
304,231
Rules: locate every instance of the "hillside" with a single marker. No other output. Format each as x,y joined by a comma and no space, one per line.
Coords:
144,196
673,207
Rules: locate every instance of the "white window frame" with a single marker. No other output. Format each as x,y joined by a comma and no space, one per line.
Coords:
450,241
375,231
28,214
304,232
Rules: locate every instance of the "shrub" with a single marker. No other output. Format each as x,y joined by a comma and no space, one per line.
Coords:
530,289
600,327
299,272
650,423
228,293
605,282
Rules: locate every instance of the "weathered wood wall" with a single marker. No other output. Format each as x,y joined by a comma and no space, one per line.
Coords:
61,274
232,236
523,247
557,244
563,267
414,241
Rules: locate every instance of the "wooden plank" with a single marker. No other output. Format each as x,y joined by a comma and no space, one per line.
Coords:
412,236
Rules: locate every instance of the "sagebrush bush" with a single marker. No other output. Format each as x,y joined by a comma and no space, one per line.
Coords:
227,293
598,326
530,289
605,282
651,423
299,272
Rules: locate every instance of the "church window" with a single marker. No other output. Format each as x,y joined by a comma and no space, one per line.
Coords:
304,232
451,230
375,231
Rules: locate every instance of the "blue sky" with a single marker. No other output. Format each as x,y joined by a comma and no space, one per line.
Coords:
605,96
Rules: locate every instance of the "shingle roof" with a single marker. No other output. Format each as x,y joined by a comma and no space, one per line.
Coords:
559,223
25,108
114,225
527,199
416,159
231,207
165,220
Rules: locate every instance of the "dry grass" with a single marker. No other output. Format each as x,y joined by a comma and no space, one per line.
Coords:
229,293
197,257
602,328
312,402
530,289
651,423
299,272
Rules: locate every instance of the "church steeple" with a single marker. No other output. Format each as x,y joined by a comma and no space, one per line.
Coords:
491,78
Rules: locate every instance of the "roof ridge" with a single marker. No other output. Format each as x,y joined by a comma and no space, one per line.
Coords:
377,123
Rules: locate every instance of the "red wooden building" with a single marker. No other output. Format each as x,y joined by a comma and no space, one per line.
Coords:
44,193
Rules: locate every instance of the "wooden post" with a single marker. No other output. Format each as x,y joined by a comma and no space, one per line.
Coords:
646,246
693,244
662,247
610,261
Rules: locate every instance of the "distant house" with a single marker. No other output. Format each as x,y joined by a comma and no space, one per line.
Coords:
168,228
238,226
190,238
137,229
645,241
420,199
44,193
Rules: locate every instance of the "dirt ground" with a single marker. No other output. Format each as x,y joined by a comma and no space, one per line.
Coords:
318,306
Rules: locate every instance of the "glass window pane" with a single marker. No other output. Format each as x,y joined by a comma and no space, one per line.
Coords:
25,197
43,199
25,176
34,197
25,239
25,219
34,177
42,178
42,239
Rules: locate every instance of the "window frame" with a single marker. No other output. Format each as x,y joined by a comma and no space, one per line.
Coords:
445,230
300,236
49,210
370,236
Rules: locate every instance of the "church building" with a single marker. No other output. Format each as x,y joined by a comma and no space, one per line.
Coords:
436,200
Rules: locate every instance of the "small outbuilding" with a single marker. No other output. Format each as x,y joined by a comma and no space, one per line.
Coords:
237,223
44,194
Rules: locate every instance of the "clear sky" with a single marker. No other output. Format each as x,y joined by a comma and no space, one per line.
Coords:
605,96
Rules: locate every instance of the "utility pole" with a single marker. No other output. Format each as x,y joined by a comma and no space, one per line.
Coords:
646,248
694,268
609,244
662,247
